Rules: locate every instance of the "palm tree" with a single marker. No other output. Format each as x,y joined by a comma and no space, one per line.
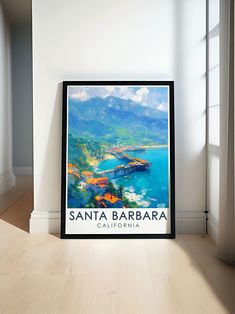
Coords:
120,191
112,189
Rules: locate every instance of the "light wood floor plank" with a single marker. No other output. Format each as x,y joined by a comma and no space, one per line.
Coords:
22,186
44,274
19,213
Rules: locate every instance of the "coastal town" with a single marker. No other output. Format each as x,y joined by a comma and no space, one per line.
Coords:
99,185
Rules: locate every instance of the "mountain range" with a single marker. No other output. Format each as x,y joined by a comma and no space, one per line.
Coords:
116,121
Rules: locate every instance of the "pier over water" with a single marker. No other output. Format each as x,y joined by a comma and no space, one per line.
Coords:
132,165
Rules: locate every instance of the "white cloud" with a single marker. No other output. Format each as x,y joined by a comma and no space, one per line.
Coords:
82,95
143,91
140,95
125,92
163,107
137,98
110,89
123,89
107,91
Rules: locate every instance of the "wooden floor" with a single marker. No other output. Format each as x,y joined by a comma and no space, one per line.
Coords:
43,274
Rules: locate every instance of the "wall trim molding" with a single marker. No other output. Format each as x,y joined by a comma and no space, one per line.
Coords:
190,221
212,227
7,181
49,222
45,222
23,171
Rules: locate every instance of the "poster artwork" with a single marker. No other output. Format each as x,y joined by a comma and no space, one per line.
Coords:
118,160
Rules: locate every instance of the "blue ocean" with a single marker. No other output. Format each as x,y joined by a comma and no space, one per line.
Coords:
148,188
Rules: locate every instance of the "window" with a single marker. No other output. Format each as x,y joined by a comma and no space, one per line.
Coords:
213,107
213,73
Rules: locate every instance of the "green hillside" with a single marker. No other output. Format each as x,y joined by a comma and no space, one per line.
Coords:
84,153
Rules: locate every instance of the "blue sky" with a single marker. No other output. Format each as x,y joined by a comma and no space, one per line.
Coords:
151,96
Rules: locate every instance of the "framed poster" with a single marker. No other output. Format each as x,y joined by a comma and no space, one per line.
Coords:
118,160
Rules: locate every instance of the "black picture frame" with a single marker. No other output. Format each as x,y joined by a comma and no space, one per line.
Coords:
170,235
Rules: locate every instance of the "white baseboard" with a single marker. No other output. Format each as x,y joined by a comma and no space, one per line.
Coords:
49,222
212,227
45,222
23,171
7,181
190,222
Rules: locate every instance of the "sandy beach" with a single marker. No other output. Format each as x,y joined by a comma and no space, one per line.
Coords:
154,146
108,156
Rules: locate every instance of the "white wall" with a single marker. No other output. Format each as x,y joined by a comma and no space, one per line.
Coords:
7,179
119,40
190,114
22,98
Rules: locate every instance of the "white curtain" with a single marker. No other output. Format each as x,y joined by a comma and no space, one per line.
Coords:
226,231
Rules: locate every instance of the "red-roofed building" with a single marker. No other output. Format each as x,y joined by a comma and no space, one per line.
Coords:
97,185
102,180
87,175
112,201
109,200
